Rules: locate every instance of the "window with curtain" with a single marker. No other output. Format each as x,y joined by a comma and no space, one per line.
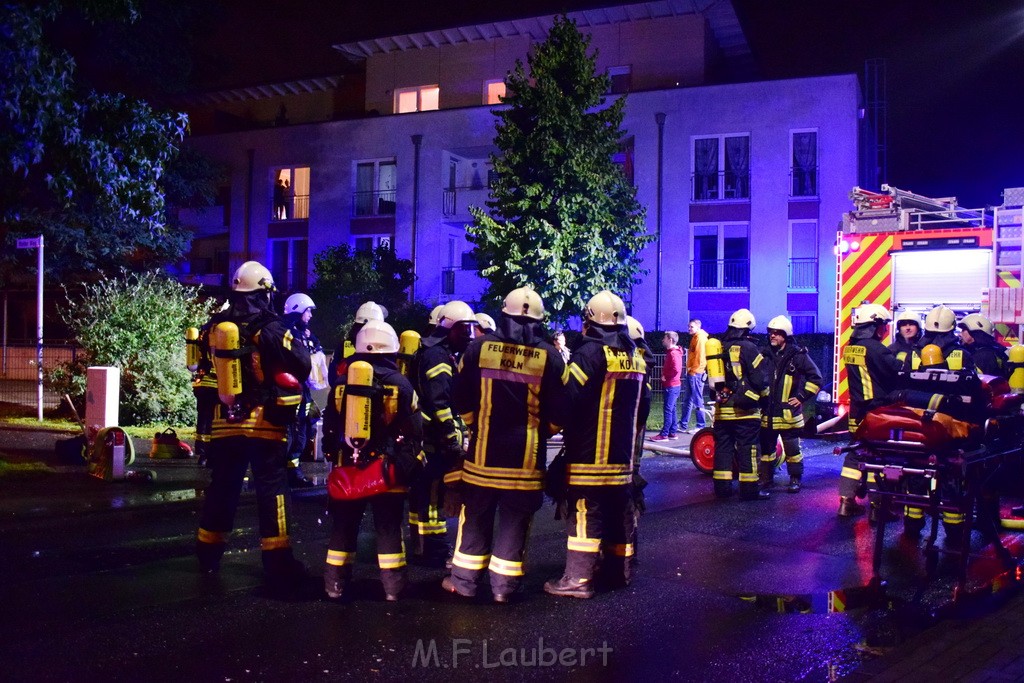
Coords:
705,168
721,167
805,164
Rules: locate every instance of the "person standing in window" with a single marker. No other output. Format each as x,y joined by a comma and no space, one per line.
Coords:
279,199
289,200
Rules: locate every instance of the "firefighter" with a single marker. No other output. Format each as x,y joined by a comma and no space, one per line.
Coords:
298,311
939,329
737,410
908,331
872,372
486,322
976,334
509,392
436,365
396,432
366,312
260,371
204,387
793,380
432,320
606,387
636,333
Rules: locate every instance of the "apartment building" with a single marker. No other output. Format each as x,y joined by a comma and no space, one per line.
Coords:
744,182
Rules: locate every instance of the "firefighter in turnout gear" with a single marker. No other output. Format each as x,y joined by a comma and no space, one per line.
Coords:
989,355
940,330
908,332
436,366
204,386
606,387
366,312
737,410
510,394
793,380
396,433
298,311
260,371
872,372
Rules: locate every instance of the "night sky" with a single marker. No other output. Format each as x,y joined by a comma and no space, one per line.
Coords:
955,67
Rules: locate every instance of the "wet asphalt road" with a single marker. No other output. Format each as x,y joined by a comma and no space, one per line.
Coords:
109,591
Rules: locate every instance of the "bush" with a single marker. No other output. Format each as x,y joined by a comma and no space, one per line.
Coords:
135,323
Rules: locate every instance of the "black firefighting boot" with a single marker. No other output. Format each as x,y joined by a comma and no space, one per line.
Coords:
336,580
297,480
394,581
875,514
723,488
795,485
209,555
766,476
796,475
569,587
751,491
849,507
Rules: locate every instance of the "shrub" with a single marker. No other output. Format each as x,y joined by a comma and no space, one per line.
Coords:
135,322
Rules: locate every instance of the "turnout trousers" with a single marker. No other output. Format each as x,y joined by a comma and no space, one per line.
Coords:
601,521
229,458
347,515
480,547
790,449
736,441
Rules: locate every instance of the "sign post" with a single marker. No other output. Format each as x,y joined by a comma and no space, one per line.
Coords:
37,243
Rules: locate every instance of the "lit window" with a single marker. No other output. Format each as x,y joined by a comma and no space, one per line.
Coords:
494,91
420,98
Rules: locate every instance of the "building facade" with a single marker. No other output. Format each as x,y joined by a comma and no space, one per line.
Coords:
744,183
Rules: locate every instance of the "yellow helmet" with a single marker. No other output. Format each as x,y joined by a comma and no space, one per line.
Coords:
605,308
782,323
871,314
455,312
370,311
435,314
940,319
252,276
636,330
742,319
975,322
376,336
931,355
486,322
525,302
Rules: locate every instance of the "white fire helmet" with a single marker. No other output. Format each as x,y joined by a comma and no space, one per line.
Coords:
370,311
376,336
605,308
523,301
298,303
455,312
252,276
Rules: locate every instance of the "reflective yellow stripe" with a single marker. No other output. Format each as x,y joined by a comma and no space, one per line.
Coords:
867,387
584,545
505,567
440,369
604,420
913,513
581,518
598,479
935,401
207,536
722,475
391,560
339,558
953,517
465,561
275,543
850,473
504,483
746,477
532,426
286,341
565,374
288,400
484,428
787,387
757,360
811,388
623,550
444,414
282,524
578,373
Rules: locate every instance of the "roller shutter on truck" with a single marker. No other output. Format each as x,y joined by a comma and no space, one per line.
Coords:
927,277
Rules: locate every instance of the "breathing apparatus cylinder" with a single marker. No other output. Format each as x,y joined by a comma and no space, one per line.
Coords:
1016,367
358,405
408,344
225,345
192,348
716,364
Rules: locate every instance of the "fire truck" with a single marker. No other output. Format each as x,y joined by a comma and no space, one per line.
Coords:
910,252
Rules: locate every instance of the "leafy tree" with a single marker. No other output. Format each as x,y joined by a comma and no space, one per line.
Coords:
136,323
563,217
346,278
85,168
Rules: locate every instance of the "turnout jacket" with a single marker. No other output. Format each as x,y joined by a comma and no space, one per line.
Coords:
989,355
268,353
956,357
901,348
606,386
436,368
745,378
509,389
396,427
791,374
871,370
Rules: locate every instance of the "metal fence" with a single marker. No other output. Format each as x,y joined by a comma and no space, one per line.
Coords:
19,373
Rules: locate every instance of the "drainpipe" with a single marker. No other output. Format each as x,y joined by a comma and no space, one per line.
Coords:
417,140
659,118
247,232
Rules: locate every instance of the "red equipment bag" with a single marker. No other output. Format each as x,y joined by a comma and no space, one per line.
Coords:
352,482
900,423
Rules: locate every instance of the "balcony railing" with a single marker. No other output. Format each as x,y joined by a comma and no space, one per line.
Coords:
803,182
803,274
374,203
294,208
720,185
720,274
455,201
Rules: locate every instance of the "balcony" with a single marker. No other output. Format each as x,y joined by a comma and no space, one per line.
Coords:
720,186
803,274
294,209
373,203
455,201
720,274
803,182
